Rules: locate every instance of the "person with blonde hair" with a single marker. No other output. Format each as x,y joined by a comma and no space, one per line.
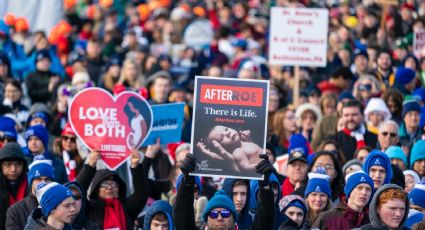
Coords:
130,75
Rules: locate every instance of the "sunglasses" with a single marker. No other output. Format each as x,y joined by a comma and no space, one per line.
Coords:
8,139
223,213
66,138
365,87
388,133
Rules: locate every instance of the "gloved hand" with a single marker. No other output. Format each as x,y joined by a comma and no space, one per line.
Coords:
188,164
265,167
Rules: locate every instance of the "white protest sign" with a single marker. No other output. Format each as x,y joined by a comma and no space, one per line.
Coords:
199,33
419,43
298,36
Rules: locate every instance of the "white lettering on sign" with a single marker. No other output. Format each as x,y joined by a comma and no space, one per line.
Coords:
109,126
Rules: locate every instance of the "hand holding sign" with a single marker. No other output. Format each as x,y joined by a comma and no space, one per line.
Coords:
113,126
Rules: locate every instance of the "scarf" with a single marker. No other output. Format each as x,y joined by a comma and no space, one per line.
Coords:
114,215
21,192
70,166
287,188
358,135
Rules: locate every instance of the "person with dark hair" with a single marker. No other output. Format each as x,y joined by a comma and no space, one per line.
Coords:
394,100
40,171
354,135
13,179
328,161
339,81
12,99
42,82
138,123
109,207
384,71
95,60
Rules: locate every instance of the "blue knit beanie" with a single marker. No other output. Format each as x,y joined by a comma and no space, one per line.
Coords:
419,93
39,131
297,142
411,106
396,152
40,167
345,95
318,182
417,195
378,158
7,126
220,200
44,116
404,75
50,195
417,152
355,178
290,201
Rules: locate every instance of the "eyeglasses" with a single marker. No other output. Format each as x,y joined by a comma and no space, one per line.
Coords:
66,138
326,166
109,184
388,133
223,213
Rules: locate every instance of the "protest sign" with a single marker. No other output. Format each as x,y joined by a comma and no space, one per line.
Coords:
419,43
198,34
112,125
298,36
229,126
167,123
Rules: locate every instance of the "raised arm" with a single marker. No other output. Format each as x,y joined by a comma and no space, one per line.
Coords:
183,211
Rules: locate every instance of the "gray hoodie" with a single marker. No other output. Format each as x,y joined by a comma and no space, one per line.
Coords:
375,220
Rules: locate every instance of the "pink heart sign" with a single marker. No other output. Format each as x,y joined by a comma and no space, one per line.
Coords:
112,125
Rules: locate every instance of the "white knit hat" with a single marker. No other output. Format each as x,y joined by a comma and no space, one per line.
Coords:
80,77
377,105
307,106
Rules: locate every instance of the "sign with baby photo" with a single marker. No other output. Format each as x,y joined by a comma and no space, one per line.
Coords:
112,125
167,123
229,126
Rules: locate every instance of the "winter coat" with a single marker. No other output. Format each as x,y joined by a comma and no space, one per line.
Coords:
340,218
18,213
375,220
4,190
348,144
36,221
244,218
131,205
38,86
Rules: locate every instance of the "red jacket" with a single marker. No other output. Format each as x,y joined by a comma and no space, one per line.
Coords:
341,218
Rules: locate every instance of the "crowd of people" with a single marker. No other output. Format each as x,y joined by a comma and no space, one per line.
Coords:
352,143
